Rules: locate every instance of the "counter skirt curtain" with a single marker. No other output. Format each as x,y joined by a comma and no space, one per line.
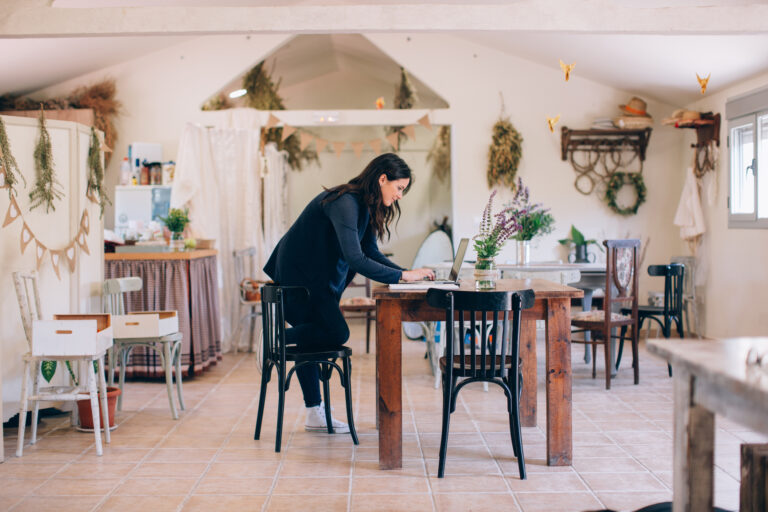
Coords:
188,287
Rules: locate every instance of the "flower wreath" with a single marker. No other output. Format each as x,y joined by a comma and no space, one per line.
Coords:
616,182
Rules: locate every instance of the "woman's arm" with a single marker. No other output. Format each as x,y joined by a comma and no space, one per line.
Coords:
371,249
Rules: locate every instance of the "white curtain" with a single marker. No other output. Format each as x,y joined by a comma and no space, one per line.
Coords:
219,177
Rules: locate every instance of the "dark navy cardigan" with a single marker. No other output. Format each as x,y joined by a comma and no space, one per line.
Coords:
327,245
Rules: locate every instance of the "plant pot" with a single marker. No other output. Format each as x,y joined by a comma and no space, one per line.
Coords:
581,255
176,243
486,274
523,252
84,410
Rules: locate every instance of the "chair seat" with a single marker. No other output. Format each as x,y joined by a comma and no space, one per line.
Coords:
349,303
646,310
292,353
478,360
598,316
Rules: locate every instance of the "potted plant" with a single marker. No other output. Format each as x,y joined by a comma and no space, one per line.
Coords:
489,241
176,221
532,220
580,244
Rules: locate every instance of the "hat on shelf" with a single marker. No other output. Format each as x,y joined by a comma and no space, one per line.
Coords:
681,117
635,107
633,122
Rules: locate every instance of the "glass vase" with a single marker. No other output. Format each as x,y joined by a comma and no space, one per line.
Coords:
176,243
486,274
523,252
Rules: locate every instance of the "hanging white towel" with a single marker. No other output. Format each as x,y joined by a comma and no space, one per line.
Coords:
689,216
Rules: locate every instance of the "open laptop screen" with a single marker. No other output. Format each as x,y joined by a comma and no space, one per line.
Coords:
458,260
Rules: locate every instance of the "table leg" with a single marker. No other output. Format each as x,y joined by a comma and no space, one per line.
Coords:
558,383
389,375
528,355
586,305
694,448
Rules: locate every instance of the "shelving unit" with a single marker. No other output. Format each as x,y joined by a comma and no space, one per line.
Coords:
707,129
604,141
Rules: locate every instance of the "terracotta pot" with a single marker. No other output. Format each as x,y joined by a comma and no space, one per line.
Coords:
84,409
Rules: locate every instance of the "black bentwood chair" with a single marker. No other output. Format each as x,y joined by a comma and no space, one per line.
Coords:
495,359
276,354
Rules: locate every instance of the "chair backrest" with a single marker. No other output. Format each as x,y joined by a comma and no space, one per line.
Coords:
273,300
112,293
689,282
470,309
674,276
29,301
621,279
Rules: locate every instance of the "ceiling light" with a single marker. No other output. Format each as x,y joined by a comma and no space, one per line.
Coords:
237,93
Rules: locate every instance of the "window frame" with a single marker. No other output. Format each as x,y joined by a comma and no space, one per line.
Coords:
747,220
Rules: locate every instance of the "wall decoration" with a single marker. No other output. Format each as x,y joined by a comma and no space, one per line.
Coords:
440,154
567,68
380,103
504,153
9,169
47,188
95,188
552,121
703,82
616,182
405,98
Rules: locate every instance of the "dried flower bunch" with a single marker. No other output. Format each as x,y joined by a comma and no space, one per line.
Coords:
95,190
405,98
504,154
494,234
440,154
8,163
47,188
532,219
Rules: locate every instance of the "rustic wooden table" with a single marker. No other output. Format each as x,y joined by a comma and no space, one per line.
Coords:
711,376
553,304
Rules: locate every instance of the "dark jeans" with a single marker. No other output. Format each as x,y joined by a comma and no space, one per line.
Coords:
317,325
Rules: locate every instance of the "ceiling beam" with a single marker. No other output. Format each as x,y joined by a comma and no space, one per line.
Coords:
38,18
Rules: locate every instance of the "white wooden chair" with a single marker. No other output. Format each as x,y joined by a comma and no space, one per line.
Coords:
168,347
245,260
32,318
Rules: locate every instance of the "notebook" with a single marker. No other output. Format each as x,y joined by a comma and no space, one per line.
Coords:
453,277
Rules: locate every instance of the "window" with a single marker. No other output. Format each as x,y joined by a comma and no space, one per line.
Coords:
748,150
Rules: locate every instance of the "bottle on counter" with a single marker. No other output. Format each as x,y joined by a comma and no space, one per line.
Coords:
125,172
144,180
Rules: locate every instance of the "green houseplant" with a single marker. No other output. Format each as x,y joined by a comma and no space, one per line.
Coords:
532,220
580,244
176,221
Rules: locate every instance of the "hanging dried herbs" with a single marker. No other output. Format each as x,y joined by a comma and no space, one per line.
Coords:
440,153
95,190
47,189
405,98
261,94
217,102
8,163
504,154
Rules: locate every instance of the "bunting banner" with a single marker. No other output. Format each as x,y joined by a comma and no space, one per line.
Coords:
272,122
320,144
424,121
287,132
375,146
13,212
410,131
26,237
55,260
357,147
306,140
85,222
394,140
83,242
70,254
338,147
39,253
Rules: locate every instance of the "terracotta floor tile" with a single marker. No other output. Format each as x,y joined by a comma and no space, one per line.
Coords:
234,486
325,503
31,470
71,503
465,467
155,486
87,470
169,469
389,484
307,468
61,486
623,482
632,500
608,465
133,503
557,501
556,482
251,503
390,502
475,502
468,483
182,455
312,485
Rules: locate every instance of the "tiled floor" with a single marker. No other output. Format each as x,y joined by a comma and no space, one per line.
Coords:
208,460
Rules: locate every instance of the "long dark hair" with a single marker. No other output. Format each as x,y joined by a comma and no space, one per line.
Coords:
366,184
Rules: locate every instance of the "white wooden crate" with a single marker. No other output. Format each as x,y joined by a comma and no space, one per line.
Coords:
71,335
145,324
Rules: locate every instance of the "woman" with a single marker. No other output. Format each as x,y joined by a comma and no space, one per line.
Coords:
333,239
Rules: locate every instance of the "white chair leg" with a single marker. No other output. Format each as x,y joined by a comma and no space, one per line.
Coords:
104,404
112,353
123,354
167,362
35,390
94,407
177,359
23,410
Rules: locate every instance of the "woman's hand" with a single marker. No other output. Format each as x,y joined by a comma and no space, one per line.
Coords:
418,274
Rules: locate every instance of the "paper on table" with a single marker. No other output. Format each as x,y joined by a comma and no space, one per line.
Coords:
423,285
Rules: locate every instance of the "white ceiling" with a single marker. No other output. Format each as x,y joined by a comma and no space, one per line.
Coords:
659,66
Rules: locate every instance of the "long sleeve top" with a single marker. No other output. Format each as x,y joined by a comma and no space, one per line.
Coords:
327,245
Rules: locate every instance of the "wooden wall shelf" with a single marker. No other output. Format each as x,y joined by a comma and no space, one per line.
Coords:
707,129
604,141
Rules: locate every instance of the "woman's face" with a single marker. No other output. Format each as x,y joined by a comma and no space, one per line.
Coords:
392,190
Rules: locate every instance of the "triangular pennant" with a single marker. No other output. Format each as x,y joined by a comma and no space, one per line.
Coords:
306,139
39,253
272,121
338,147
287,131
70,253
55,260
91,195
85,222
26,237
13,212
375,146
3,184
357,147
410,131
320,144
394,139
424,121
82,241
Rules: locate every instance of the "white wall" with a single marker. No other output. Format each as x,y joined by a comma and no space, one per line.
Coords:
736,273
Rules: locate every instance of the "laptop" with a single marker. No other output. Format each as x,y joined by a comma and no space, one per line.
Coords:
453,277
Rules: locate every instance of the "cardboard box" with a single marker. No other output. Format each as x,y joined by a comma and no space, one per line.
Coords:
71,335
145,324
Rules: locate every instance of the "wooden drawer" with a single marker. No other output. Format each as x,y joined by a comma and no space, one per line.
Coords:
71,335
145,324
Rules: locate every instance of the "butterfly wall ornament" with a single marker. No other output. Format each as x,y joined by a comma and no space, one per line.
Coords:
552,121
703,82
567,68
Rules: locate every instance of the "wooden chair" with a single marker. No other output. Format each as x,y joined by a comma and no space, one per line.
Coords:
247,295
674,275
689,293
361,307
275,354
621,287
167,347
498,360
29,305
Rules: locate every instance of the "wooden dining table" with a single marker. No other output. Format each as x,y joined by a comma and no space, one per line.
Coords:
552,304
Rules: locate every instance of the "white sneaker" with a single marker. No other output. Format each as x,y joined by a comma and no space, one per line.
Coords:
316,421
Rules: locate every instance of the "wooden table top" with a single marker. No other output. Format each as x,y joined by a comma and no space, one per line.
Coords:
178,255
542,288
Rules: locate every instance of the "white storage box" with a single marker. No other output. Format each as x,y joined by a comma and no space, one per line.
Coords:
71,335
145,324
